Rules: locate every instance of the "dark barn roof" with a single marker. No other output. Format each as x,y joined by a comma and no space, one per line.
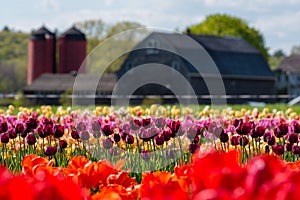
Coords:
290,64
58,83
232,55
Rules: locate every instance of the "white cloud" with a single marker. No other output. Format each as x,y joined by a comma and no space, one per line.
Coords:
281,31
278,20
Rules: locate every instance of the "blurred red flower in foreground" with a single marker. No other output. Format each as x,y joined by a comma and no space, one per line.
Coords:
41,186
214,176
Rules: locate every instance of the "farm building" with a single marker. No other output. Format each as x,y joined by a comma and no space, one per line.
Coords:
288,76
202,61
244,71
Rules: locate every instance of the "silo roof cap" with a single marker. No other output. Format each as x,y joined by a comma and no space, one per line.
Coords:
41,34
73,34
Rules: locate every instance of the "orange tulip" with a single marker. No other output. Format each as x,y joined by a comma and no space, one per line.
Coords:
122,178
165,185
31,161
115,192
77,162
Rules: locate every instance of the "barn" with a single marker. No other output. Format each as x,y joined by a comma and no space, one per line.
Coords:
245,73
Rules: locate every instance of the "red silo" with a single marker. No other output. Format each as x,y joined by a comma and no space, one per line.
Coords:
41,54
72,51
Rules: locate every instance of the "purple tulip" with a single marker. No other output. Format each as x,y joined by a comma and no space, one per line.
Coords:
192,132
267,149
244,141
296,127
288,146
129,139
160,122
31,124
167,134
125,127
244,128
107,143
123,135
3,127
96,126
293,138
96,134
4,138
267,136
224,137
81,126
217,131
63,144
84,135
30,139
117,137
107,129
173,125
48,129
193,148
144,134
236,122
59,131
135,124
258,131
159,140
50,151
281,130
75,135
235,140
271,140
146,122
12,134
278,149
19,128
296,150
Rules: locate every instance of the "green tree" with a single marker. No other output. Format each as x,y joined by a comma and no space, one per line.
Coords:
275,59
124,26
279,53
13,60
226,25
108,49
93,29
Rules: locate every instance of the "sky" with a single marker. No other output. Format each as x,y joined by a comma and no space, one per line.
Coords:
277,20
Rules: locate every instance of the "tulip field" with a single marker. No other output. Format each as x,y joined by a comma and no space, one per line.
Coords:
149,152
